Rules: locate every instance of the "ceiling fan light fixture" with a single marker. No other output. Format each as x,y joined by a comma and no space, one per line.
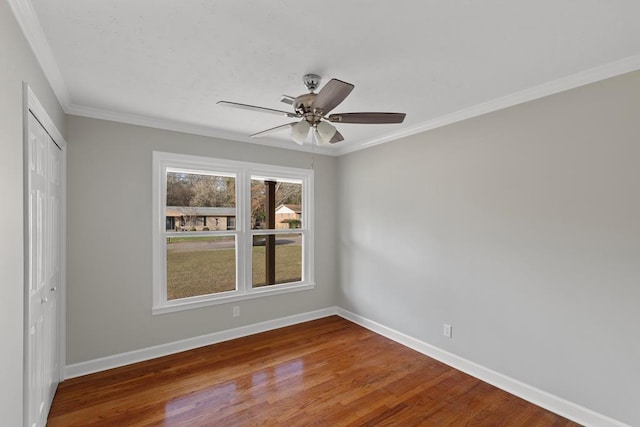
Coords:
325,132
299,131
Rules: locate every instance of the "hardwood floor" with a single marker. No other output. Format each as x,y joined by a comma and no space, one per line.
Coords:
328,372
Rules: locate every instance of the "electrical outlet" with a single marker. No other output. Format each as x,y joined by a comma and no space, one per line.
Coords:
447,330
236,311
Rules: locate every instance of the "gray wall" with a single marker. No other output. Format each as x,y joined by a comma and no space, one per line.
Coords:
109,292
18,65
520,228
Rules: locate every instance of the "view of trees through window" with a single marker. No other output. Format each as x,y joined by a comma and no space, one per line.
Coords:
198,190
286,193
190,189
275,205
206,264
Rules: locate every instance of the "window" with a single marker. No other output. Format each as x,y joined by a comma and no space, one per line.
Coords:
225,231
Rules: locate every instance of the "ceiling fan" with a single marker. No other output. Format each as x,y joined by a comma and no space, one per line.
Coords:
313,110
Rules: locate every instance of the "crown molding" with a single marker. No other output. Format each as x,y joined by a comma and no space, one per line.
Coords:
177,126
28,21
32,30
592,75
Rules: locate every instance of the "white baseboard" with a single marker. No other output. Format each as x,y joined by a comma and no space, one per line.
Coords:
536,396
122,359
555,404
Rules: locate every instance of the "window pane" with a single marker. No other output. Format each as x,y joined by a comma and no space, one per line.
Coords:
200,202
200,266
286,211
286,266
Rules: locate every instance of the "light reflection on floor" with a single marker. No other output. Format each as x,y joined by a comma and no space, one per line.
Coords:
224,393
284,378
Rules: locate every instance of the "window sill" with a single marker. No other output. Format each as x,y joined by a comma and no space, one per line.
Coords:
179,305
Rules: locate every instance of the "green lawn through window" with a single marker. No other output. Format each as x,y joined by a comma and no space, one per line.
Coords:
200,271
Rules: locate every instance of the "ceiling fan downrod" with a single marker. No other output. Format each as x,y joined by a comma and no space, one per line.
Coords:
311,81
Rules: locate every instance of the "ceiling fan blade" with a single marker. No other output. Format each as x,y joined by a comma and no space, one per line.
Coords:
367,118
336,138
288,99
273,130
332,94
256,108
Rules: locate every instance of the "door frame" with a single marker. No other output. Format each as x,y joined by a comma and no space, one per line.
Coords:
31,104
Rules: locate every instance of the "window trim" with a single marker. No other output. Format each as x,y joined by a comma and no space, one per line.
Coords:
243,171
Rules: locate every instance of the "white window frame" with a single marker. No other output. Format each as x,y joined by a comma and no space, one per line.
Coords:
243,172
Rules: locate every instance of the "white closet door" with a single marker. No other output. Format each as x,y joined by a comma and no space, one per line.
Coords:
44,269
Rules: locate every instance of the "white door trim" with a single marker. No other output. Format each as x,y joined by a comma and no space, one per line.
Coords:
32,105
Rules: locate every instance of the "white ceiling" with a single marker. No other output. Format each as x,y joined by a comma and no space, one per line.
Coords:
166,63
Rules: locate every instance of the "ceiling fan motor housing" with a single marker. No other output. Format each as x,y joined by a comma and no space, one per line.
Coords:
303,104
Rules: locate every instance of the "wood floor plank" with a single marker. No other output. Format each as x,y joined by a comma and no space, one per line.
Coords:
328,372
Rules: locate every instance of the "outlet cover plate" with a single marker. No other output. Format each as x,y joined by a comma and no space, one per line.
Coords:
447,330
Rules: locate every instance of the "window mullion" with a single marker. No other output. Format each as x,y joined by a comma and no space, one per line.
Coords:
244,246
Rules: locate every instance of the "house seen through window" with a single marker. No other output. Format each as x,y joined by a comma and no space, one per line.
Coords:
229,230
